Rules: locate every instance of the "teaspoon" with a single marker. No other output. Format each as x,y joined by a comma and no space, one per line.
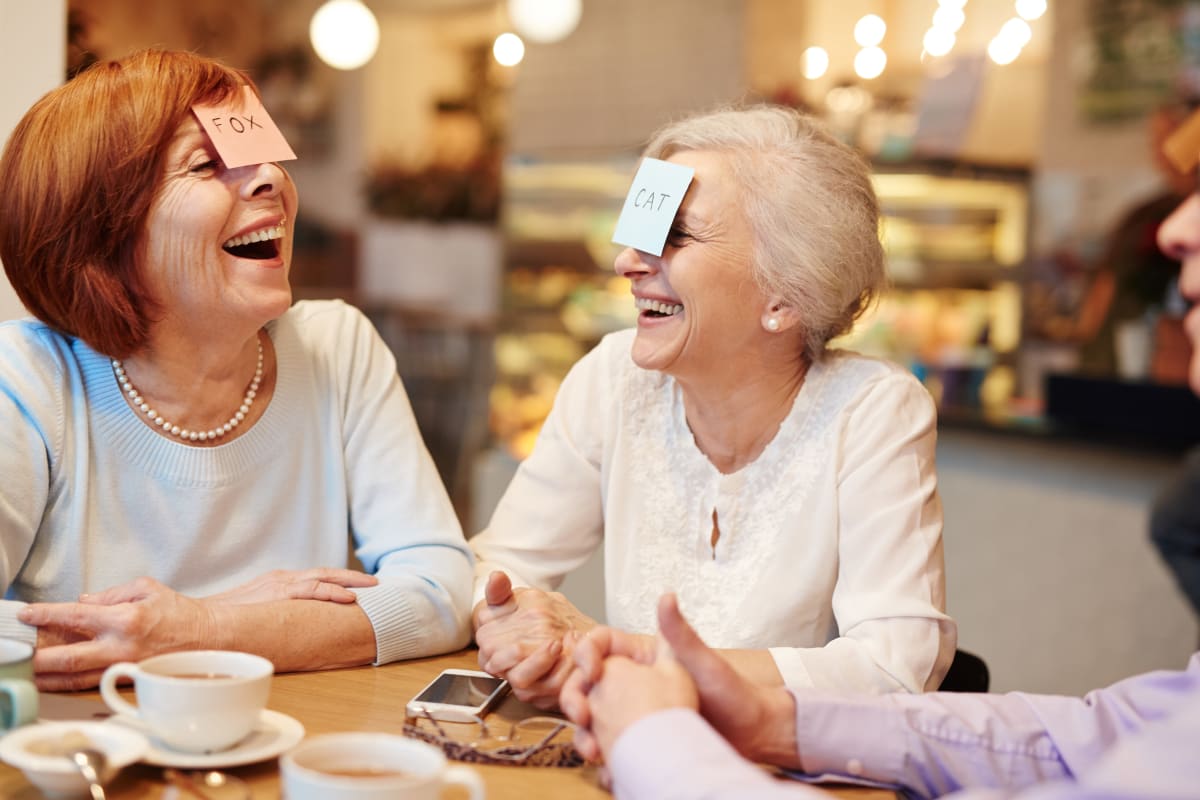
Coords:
91,764
210,785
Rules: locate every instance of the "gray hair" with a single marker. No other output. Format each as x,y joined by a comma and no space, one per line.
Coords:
811,207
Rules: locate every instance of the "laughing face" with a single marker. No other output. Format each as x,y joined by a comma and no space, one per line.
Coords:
217,240
698,302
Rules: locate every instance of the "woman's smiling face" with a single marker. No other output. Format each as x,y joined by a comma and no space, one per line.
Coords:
218,240
698,302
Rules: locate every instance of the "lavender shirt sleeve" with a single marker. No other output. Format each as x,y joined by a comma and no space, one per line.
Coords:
1135,739
675,754
935,744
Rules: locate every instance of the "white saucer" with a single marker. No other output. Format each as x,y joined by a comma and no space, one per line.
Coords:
274,733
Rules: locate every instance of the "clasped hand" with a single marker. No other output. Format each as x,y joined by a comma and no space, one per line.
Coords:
78,641
527,636
620,678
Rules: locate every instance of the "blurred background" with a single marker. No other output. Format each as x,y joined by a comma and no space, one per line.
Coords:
462,163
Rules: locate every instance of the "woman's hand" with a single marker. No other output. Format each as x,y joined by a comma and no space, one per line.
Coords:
759,721
527,636
585,704
78,641
321,583
626,691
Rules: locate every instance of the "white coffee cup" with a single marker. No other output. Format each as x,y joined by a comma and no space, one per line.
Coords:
371,766
18,694
195,701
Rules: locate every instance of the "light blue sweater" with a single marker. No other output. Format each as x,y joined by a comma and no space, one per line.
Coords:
91,497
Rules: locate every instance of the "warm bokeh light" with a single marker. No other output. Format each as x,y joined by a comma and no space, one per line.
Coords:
1016,31
545,20
1031,9
938,41
344,33
952,3
949,18
869,30
508,49
870,62
848,100
814,62
1003,51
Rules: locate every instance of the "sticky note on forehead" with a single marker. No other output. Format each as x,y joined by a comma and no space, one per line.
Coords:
649,210
242,131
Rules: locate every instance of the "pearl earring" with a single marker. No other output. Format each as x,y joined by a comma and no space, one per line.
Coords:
772,324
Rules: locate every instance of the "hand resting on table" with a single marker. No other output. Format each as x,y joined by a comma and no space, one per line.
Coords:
129,622
527,636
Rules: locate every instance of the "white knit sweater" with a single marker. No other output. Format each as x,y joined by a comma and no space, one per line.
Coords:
91,497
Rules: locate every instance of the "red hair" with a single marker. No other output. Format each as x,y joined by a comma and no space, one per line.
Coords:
77,180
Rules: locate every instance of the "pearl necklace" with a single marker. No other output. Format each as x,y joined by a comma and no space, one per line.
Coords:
157,420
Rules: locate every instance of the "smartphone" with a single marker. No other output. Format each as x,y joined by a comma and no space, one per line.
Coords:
458,695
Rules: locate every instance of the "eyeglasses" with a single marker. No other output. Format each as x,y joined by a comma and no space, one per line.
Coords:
530,742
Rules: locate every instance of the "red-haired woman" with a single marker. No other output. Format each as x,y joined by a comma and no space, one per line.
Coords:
184,451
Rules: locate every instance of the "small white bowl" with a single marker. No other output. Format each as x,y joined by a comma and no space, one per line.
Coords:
57,776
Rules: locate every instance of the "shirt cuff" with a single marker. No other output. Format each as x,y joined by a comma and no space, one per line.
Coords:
11,628
845,733
791,667
675,753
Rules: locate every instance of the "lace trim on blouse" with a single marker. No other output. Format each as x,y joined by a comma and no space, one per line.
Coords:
682,489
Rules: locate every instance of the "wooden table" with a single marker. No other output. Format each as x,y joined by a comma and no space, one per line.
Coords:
358,699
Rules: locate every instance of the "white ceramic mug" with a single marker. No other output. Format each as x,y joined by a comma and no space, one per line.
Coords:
18,695
371,766
195,701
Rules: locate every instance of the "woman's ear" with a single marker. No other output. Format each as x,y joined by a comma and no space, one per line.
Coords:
778,316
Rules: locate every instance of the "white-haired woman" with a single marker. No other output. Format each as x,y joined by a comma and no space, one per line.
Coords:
784,491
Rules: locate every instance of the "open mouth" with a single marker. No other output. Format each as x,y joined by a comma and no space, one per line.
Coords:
656,308
257,245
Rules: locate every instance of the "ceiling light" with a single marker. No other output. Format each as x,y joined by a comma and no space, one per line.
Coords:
949,18
545,20
1017,31
508,49
1031,9
869,30
870,62
938,42
1003,51
814,62
344,33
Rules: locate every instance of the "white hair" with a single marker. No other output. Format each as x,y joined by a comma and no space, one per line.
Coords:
811,208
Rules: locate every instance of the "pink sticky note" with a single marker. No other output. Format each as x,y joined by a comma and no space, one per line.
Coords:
243,132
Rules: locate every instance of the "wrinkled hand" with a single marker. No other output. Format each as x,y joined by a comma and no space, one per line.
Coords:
758,721
321,583
527,636
626,691
591,656
77,641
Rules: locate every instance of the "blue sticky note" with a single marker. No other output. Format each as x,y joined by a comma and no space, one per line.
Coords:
649,210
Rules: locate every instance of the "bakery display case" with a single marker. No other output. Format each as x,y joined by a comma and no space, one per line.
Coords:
956,239
559,292
955,242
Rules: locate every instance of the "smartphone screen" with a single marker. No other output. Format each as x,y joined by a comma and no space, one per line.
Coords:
459,690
